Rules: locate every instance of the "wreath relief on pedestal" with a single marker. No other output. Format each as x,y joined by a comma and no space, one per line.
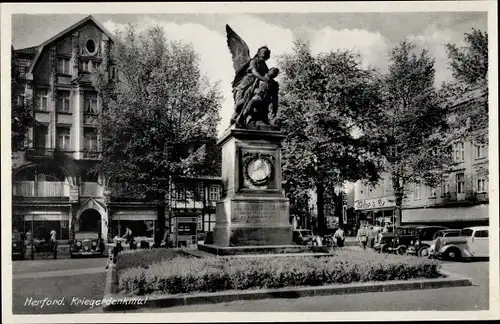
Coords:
258,168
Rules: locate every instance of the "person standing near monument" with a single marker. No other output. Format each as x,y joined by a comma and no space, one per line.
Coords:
362,236
339,237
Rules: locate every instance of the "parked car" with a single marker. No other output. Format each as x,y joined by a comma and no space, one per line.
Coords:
87,244
18,245
472,242
383,241
423,241
411,239
302,236
441,234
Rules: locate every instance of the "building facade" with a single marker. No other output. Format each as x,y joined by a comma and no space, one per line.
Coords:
52,186
460,200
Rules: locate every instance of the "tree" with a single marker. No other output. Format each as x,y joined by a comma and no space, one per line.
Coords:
414,124
327,109
157,119
21,110
469,65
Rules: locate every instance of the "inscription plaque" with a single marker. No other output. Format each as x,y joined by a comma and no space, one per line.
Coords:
259,212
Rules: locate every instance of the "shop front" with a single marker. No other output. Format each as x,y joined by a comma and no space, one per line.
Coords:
40,223
375,212
452,217
142,222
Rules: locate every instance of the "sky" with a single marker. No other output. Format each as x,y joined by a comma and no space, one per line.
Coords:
372,35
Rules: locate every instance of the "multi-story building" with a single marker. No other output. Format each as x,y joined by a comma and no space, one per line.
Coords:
461,200
52,186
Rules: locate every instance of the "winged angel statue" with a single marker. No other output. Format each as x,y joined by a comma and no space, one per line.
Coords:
254,87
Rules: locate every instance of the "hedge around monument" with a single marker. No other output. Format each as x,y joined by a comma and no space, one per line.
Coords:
180,275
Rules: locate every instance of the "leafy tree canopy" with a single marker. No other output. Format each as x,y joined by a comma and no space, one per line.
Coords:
159,118
327,108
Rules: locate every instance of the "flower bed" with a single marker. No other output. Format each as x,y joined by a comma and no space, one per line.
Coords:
142,259
187,275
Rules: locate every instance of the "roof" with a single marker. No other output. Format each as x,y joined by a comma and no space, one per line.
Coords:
67,30
28,50
469,95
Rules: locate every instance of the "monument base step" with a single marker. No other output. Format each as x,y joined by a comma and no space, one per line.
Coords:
259,249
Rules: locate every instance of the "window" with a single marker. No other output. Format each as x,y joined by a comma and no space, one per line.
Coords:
86,66
41,137
90,46
90,102
42,98
417,191
112,72
63,65
21,99
481,233
466,232
62,101
480,151
90,139
208,222
214,193
180,192
460,183
445,186
458,152
198,195
481,185
432,192
63,138
388,186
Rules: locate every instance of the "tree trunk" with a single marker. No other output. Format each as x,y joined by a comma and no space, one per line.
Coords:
320,206
399,211
160,220
398,192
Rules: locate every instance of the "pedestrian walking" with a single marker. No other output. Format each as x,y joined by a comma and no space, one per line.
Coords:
53,236
362,236
339,237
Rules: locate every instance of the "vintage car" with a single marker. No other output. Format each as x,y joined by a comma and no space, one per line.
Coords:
410,239
87,244
18,245
383,241
473,242
441,234
302,236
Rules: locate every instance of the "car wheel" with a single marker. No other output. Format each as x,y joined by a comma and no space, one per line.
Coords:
401,250
453,254
423,252
384,248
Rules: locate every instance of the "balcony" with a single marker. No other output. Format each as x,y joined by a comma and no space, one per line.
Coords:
91,189
91,155
39,152
40,189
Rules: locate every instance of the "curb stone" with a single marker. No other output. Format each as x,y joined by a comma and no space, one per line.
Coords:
161,301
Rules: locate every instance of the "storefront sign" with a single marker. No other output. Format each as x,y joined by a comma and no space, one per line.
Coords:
374,203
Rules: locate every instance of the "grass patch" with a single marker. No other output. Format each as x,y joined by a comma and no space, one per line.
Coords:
188,275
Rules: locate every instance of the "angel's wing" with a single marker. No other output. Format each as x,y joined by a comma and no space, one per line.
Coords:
238,48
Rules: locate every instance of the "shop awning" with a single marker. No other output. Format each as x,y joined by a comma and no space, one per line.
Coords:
46,217
453,214
134,215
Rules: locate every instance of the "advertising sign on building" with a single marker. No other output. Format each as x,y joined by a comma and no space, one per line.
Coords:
374,203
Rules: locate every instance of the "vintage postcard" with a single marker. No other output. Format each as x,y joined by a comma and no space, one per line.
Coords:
217,162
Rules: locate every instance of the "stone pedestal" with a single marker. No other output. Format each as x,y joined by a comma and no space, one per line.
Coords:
253,210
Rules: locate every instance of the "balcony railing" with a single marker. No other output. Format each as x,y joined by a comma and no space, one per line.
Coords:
40,189
91,155
90,189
